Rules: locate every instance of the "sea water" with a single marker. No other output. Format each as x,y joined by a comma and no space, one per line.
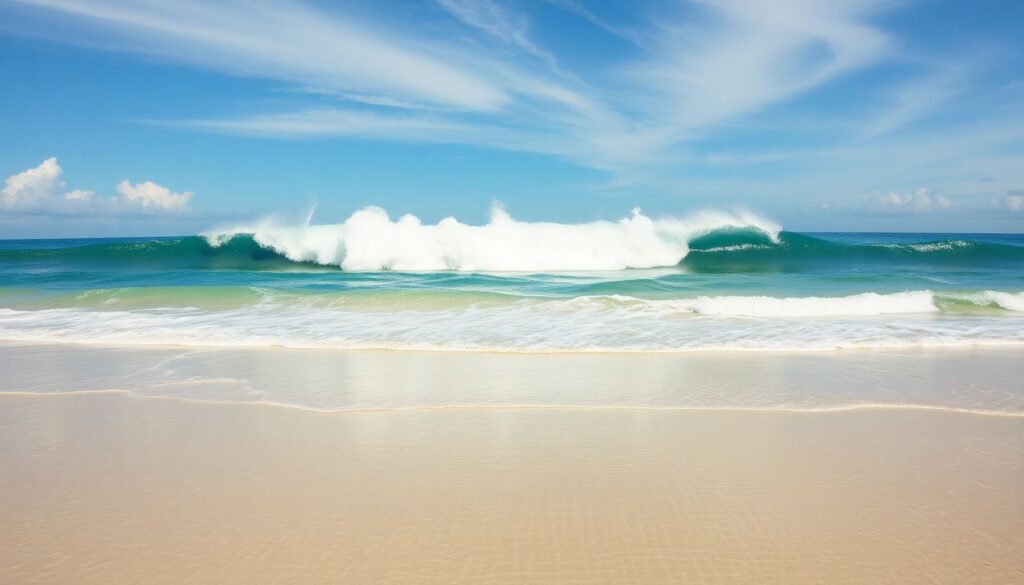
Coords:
715,280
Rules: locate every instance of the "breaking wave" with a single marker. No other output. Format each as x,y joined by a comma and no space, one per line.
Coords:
369,240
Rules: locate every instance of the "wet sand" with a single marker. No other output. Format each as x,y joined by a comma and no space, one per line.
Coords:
980,380
119,489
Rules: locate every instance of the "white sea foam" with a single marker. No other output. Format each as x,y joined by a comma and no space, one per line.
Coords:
370,240
862,304
940,246
591,323
931,246
1005,300
735,248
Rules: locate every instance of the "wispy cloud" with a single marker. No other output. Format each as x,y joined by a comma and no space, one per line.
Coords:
745,58
497,22
699,67
285,40
915,100
325,122
922,202
576,7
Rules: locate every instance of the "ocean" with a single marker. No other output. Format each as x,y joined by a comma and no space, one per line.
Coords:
707,281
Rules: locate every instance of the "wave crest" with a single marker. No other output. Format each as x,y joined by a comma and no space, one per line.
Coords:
369,240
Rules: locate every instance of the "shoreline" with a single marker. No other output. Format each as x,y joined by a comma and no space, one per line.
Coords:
972,345
979,381
853,408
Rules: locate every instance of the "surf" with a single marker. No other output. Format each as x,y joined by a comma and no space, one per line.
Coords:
426,320
369,240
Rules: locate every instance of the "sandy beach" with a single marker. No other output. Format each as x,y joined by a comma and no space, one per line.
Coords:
111,487
471,292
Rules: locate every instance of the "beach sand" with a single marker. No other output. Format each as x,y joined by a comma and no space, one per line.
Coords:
112,488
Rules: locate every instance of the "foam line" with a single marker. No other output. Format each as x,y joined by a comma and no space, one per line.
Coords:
824,409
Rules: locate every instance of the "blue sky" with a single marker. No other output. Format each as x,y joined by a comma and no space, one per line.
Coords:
127,117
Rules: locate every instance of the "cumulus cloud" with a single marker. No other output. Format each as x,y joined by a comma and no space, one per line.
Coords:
919,201
149,194
41,190
34,186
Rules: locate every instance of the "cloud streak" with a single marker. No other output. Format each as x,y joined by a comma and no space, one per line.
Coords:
746,58
284,40
496,22
699,68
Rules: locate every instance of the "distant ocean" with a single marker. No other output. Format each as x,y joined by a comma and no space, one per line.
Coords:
708,281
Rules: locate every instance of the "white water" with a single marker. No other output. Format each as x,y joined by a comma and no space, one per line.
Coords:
370,240
1004,300
762,306
582,324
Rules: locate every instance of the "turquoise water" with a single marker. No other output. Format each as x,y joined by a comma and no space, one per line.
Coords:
730,287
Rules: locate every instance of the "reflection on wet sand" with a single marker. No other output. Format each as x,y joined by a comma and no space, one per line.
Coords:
103,488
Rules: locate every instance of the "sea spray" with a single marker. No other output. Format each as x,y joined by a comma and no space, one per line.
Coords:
711,242
369,240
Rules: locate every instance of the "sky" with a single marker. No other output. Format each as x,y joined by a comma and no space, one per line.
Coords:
139,117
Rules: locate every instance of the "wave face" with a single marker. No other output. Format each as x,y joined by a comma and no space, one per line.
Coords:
193,252
745,252
713,280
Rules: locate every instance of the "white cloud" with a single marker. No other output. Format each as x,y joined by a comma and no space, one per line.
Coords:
746,57
336,122
690,73
34,186
149,194
576,7
1012,201
919,201
496,22
79,195
286,40
39,190
915,202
